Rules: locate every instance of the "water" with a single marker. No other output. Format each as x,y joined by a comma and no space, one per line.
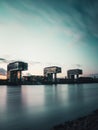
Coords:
40,107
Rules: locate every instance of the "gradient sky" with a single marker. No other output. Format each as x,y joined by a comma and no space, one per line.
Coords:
50,32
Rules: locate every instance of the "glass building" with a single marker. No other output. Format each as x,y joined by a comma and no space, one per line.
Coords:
71,74
51,73
14,71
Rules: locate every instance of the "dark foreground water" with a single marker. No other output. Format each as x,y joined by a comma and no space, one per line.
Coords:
41,107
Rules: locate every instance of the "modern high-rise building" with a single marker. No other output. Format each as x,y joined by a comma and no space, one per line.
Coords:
74,73
51,73
14,71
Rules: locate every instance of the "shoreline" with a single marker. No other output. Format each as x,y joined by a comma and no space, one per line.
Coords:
88,122
80,80
5,82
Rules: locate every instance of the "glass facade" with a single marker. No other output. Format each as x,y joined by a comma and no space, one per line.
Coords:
14,71
53,69
17,66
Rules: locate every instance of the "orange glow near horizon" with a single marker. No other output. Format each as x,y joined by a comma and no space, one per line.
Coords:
3,77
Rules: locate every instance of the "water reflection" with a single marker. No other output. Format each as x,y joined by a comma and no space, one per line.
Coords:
14,99
3,94
75,92
56,95
32,97
3,98
40,107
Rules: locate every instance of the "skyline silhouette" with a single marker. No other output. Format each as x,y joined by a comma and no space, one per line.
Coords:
3,72
45,33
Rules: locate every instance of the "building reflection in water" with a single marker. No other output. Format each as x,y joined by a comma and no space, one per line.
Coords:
32,98
76,92
56,96
3,95
40,107
14,98
13,110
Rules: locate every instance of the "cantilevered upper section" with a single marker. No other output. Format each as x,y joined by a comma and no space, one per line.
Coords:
52,69
51,73
17,65
74,71
14,71
71,73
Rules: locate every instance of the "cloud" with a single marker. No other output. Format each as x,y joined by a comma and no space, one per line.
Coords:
71,24
86,16
75,66
3,60
34,62
78,65
2,71
77,15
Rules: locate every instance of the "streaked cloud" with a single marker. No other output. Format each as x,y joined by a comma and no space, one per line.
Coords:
2,71
43,31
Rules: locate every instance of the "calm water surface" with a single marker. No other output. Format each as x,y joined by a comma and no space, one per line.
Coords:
40,107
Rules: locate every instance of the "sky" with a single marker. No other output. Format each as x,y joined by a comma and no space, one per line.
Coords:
45,33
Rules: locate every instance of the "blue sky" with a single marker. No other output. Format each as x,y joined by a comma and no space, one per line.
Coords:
50,32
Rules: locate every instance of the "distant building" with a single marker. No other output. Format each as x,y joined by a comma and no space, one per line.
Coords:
74,73
51,73
33,79
3,77
14,71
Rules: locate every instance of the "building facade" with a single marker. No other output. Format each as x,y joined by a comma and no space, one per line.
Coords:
74,73
14,71
51,73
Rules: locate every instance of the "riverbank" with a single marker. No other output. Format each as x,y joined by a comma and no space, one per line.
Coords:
5,82
89,122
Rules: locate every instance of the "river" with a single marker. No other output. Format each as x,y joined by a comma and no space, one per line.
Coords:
40,107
